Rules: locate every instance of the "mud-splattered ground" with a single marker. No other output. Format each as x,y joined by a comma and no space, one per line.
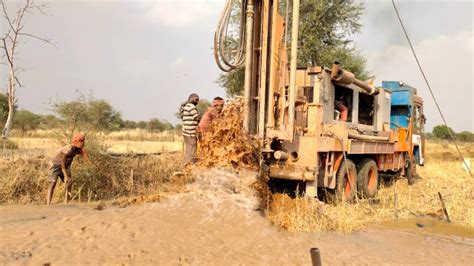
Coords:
188,229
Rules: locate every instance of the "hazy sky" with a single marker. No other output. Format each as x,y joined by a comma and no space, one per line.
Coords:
145,57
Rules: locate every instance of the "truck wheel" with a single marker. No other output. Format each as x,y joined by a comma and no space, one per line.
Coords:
368,178
409,173
346,181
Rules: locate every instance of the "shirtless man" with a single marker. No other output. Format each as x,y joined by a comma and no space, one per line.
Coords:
61,165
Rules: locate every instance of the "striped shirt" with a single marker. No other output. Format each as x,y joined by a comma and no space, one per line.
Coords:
190,120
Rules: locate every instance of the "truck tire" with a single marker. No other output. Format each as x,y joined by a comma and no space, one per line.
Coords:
368,178
409,173
346,181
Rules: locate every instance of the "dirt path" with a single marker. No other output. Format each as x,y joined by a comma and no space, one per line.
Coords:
185,229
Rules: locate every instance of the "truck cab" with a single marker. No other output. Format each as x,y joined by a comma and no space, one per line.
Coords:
406,108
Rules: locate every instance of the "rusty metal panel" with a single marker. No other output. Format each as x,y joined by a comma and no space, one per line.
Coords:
291,172
314,70
315,113
279,134
382,112
308,150
327,96
326,144
392,162
302,78
370,147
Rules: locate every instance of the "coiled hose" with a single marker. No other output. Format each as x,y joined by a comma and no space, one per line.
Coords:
225,61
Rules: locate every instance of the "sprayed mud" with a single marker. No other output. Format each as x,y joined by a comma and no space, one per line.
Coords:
215,222
186,230
226,144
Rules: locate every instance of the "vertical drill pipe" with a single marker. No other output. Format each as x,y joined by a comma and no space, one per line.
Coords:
248,64
262,94
294,61
271,84
315,256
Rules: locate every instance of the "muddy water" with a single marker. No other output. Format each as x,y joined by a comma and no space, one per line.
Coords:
187,230
427,225
214,223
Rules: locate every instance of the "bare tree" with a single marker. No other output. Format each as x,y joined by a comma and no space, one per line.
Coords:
9,44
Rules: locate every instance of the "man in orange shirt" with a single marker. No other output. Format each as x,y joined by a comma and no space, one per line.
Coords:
210,115
61,164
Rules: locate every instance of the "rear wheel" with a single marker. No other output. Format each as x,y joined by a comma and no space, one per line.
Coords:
346,182
410,173
367,178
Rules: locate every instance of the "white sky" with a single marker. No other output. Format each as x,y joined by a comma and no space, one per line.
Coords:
145,57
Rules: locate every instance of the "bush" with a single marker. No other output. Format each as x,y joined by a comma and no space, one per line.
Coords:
11,145
105,177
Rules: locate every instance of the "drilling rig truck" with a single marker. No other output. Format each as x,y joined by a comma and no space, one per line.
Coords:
320,126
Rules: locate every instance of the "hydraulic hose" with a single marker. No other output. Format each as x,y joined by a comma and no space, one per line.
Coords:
225,61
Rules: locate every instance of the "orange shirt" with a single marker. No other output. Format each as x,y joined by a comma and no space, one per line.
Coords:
207,119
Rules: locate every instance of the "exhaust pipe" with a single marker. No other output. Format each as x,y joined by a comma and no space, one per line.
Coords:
345,77
315,257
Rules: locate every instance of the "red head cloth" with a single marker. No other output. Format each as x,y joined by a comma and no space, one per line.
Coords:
217,102
78,137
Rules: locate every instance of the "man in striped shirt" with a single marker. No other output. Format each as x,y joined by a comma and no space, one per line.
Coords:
190,117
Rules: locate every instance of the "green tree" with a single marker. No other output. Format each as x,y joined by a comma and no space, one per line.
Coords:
130,124
141,124
86,114
3,109
103,116
442,131
465,136
202,107
325,28
26,120
155,125
49,122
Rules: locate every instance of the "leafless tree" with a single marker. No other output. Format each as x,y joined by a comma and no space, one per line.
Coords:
15,30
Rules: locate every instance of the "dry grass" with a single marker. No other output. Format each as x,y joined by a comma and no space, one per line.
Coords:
126,134
23,179
128,146
23,172
49,145
442,173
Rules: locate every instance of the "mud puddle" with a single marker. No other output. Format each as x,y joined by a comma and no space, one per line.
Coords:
189,230
215,222
433,227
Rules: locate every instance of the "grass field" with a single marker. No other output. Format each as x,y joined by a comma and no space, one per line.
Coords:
441,173
49,145
23,180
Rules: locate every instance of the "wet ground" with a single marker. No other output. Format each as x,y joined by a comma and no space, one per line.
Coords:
187,229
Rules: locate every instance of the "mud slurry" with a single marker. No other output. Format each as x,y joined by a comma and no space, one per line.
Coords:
215,222
190,229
